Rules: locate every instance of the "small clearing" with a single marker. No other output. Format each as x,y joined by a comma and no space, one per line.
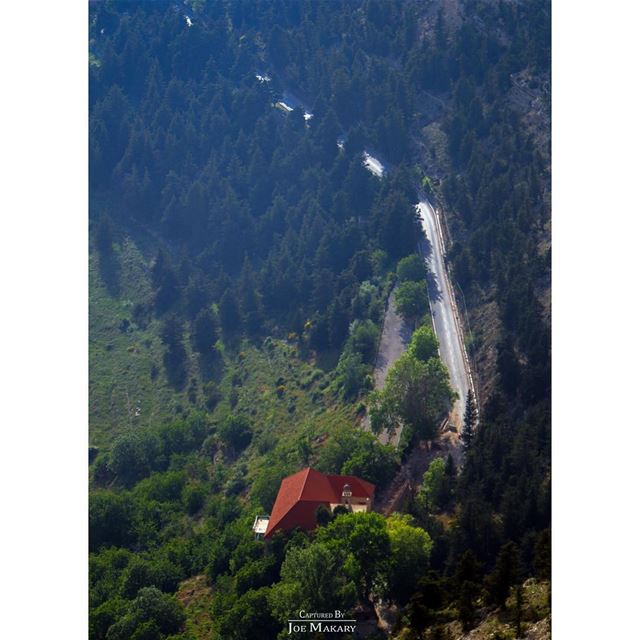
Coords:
396,334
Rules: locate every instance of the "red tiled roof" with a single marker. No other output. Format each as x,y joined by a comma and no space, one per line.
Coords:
302,493
359,488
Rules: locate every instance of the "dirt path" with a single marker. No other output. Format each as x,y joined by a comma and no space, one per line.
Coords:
396,334
412,471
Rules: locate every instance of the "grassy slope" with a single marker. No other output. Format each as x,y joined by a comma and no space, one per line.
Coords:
122,392
124,395
285,395
287,399
197,598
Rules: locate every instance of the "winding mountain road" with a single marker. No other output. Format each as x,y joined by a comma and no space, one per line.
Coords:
444,311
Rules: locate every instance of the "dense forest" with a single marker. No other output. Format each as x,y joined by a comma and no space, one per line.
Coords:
241,259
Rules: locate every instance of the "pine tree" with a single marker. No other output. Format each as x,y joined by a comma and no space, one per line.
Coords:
450,467
441,31
250,303
104,235
229,312
470,420
327,137
505,574
165,282
466,611
518,613
175,355
203,333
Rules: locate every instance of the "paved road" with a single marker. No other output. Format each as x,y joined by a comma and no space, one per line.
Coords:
443,310
396,334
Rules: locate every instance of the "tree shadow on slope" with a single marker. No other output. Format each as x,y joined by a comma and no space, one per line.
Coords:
211,366
109,269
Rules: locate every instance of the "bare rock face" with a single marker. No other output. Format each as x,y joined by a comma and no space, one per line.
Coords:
541,630
492,623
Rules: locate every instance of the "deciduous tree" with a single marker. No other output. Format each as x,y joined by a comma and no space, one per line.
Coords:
424,344
411,300
436,488
313,579
412,269
152,614
418,393
409,560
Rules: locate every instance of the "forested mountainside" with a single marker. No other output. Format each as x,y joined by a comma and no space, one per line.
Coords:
241,260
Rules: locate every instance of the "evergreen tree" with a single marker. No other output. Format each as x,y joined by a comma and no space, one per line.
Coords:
229,312
104,235
175,356
204,332
450,467
542,555
196,296
470,421
467,580
505,574
441,32
466,610
250,303
165,282
327,137
518,612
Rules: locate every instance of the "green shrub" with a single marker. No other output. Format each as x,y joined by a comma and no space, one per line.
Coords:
212,395
163,487
135,454
193,498
161,573
436,486
235,432
351,374
152,614
111,518
364,340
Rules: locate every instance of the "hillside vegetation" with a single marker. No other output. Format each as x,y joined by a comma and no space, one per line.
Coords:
241,258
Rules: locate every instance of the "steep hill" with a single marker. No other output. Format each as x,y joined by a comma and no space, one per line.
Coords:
254,170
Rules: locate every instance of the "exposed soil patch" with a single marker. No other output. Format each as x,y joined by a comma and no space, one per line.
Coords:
396,334
485,332
410,475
